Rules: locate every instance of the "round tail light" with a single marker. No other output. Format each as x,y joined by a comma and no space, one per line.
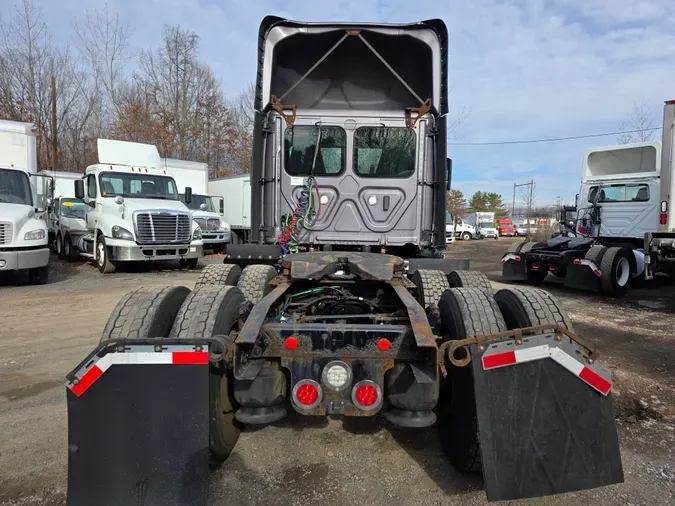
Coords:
307,394
367,395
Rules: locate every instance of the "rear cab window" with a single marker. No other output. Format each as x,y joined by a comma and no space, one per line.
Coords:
300,148
619,193
384,152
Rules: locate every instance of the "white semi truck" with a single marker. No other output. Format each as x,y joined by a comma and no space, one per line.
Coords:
625,228
215,231
234,196
23,231
132,209
66,214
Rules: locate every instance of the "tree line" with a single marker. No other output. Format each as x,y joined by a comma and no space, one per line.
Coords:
457,204
95,86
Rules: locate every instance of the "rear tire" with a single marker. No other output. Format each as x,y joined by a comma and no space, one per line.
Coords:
527,247
466,236
616,271
213,310
465,312
535,277
189,263
255,281
430,286
223,274
526,307
469,279
148,311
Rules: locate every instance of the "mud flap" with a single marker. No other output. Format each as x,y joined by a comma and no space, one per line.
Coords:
581,277
513,267
138,427
543,430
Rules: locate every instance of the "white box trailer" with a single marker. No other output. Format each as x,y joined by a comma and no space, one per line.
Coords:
23,233
234,193
215,231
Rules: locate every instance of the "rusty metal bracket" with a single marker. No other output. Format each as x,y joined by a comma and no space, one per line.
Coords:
448,348
353,33
281,109
251,329
410,120
424,336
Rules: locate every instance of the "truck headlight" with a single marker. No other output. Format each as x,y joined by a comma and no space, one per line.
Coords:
122,233
34,235
225,226
197,234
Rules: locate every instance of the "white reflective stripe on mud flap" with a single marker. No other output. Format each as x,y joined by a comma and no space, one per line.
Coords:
510,256
566,361
141,357
530,354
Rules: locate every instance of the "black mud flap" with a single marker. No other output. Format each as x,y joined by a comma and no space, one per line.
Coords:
513,267
582,277
543,430
138,428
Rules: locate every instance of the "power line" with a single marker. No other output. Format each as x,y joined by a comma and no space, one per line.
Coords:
553,139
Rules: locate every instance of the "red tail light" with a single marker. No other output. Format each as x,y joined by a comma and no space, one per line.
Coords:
291,343
367,395
307,394
663,219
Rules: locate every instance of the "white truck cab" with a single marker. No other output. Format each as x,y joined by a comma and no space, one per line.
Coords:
216,233
133,211
23,232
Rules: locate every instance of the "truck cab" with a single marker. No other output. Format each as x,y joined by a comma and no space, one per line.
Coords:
67,224
23,232
133,212
216,232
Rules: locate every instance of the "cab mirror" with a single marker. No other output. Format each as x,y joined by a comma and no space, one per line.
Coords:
222,206
79,189
188,194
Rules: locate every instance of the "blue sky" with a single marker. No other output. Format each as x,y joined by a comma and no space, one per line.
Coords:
523,69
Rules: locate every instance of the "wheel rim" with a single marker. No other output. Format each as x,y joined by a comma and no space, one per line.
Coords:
622,272
101,254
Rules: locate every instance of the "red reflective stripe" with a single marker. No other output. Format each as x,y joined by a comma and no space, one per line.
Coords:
502,359
87,380
595,380
190,357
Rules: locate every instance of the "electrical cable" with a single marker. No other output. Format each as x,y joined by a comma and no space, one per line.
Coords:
552,139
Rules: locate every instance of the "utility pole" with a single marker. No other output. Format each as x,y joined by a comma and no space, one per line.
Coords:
529,201
54,143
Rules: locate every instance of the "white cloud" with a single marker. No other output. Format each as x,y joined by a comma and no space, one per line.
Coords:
529,69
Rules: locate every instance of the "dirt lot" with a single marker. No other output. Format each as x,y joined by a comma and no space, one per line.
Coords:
47,330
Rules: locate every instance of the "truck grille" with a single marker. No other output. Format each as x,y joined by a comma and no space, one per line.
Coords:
5,233
162,227
207,224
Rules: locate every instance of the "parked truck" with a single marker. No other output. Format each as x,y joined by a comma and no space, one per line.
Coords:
345,305
505,227
233,195
484,223
66,214
215,229
23,229
132,209
624,227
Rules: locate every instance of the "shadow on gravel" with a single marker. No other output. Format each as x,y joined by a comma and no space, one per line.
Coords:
424,446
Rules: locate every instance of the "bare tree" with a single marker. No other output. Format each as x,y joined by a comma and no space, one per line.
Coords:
639,127
242,116
104,45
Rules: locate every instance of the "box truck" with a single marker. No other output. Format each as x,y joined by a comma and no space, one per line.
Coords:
233,194
23,230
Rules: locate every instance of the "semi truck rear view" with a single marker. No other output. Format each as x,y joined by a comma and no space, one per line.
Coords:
342,305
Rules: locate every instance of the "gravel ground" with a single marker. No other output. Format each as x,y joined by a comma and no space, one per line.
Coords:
47,330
